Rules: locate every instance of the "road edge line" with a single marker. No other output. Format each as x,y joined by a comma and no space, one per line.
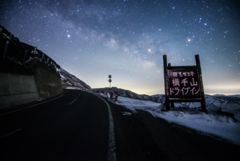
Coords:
73,101
111,138
36,104
10,133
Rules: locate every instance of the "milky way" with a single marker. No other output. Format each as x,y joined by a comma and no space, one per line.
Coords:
128,38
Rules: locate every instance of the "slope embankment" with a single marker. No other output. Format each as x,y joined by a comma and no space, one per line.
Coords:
17,89
26,73
23,87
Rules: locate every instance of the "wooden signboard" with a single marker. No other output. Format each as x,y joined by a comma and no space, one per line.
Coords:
183,83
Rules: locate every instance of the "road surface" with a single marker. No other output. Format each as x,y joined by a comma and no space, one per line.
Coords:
71,127
75,126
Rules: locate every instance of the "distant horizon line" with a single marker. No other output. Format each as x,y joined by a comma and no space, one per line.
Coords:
208,93
226,94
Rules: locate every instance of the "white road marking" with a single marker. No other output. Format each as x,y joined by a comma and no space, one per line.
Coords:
73,101
111,138
44,102
30,106
182,128
6,135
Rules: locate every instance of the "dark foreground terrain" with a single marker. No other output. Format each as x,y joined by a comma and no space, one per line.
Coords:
75,126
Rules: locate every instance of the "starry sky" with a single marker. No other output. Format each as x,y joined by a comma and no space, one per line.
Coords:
128,38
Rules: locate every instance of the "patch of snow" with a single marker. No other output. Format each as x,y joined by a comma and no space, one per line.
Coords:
75,88
126,113
103,95
134,104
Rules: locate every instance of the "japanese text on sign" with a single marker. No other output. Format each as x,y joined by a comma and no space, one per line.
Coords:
183,83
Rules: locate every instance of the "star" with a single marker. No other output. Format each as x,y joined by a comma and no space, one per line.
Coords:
101,36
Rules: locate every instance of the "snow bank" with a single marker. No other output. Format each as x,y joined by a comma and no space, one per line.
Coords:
222,126
134,104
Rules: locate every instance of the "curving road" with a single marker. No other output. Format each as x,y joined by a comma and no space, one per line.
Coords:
73,126
82,126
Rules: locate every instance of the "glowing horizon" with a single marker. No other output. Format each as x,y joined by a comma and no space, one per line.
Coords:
127,39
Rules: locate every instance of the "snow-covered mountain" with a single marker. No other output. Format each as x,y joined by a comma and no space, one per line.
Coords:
222,95
213,103
128,93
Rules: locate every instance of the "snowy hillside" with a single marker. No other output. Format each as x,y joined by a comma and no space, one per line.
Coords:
28,56
68,79
213,103
130,94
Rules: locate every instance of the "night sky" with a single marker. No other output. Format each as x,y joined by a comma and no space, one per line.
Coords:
128,38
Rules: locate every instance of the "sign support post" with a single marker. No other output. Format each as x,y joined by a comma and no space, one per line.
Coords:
203,102
183,84
166,82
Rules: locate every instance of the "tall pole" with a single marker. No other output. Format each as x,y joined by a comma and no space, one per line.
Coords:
110,80
203,102
166,82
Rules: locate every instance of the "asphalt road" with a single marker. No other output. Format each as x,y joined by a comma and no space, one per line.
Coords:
72,127
75,126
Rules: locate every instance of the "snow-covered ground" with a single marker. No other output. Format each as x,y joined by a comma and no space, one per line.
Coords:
211,123
68,80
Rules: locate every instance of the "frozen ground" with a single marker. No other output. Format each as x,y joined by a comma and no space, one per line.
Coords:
211,123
